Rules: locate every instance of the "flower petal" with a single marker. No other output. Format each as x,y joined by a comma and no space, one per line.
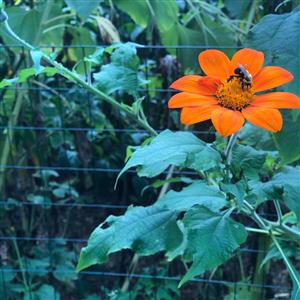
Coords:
251,59
192,115
196,84
214,63
190,100
271,77
277,100
267,118
227,121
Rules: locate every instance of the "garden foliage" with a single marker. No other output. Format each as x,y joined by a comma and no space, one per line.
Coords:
216,194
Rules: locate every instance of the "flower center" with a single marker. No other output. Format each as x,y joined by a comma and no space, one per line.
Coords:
231,94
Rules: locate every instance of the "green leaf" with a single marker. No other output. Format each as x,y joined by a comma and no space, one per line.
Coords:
146,230
181,35
255,137
80,36
248,160
278,37
292,199
137,10
38,20
182,149
83,8
237,190
285,185
7,82
241,291
197,193
212,238
164,13
273,253
46,291
121,73
236,8
25,74
288,140
288,179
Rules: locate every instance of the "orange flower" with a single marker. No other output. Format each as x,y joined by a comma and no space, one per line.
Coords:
228,98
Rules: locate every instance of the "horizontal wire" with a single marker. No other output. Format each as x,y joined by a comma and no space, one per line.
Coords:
79,240
105,170
90,205
78,87
79,205
139,46
144,276
79,169
123,130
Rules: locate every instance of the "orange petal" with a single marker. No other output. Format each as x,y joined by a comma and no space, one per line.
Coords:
192,115
277,100
227,121
189,100
210,84
251,59
271,77
267,118
214,63
195,84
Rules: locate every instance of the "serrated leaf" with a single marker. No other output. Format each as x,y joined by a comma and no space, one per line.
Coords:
121,73
197,193
236,189
146,230
212,238
248,160
182,149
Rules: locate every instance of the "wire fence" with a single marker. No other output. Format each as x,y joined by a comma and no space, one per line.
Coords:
105,205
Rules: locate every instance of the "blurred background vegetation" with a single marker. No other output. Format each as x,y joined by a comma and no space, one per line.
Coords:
61,148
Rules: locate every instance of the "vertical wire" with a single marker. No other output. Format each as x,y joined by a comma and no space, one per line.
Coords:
234,291
4,284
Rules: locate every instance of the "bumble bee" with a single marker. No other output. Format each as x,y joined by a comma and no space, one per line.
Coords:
244,76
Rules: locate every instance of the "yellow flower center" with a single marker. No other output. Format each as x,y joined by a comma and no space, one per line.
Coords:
232,95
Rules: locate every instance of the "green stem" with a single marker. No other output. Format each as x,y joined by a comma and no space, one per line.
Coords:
278,211
239,255
257,230
228,154
20,261
250,16
75,77
9,138
292,271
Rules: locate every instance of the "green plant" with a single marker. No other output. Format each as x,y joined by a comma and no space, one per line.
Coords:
243,192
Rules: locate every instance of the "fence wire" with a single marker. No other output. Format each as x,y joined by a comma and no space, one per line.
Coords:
102,204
